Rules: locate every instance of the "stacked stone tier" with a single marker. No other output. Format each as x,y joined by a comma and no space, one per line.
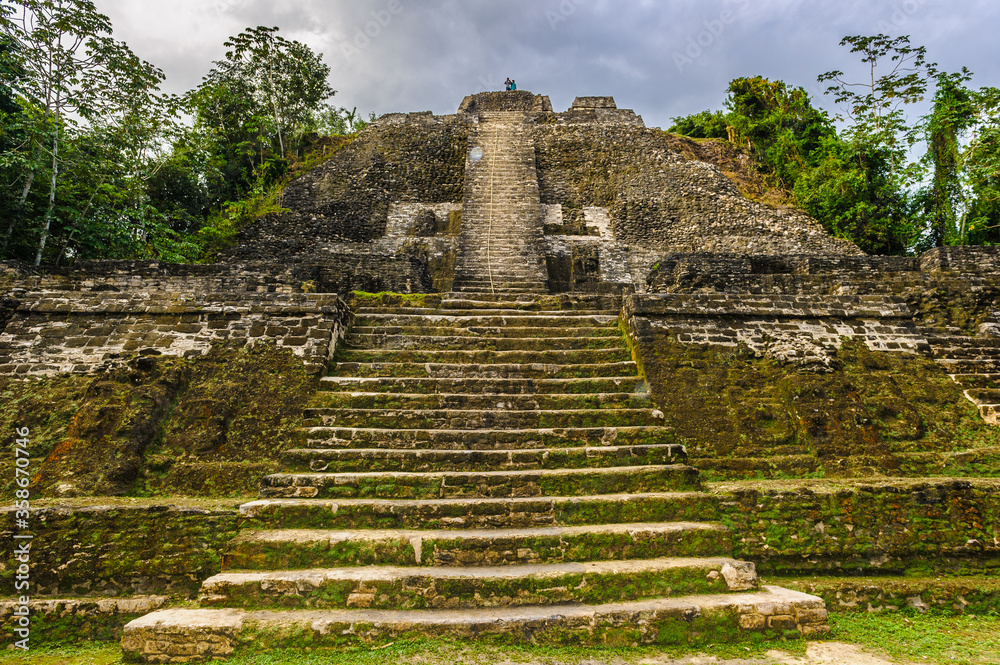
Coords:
496,453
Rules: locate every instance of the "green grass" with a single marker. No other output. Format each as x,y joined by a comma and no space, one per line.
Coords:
933,639
87,654
428,652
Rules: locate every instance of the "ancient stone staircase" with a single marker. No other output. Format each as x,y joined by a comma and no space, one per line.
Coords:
487,466
974,364
502,226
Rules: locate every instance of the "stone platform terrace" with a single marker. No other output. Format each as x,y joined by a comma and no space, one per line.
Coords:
490,467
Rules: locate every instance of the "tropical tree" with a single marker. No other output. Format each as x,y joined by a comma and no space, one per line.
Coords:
779,125
252,108
896,74
74,72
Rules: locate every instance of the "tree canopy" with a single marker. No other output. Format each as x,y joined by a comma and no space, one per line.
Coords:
858,181
97,162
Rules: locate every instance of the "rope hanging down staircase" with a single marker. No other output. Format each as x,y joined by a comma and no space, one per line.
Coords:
489,232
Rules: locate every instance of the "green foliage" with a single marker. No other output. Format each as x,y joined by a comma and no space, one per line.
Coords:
779,124
848,185
850,189
331,121
95,163
73,70
960,204
222,225
982,164
858,182
704,125
897,74
954,111
253,109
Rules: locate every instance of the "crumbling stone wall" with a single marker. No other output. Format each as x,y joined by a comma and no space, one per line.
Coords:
355,267
948,286
803,330
923,528
593,155
121,550
66,332
347,198
516,100
658,198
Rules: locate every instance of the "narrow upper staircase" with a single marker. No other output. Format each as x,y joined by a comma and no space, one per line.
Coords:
482,466
502,225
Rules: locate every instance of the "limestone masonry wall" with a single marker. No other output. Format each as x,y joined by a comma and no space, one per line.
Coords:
122,550
804,330
58,333
100,314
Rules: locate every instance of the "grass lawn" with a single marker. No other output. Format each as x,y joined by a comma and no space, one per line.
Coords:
903,638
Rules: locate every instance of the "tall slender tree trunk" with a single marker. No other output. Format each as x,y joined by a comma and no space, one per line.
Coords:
52,199
27,187
20,204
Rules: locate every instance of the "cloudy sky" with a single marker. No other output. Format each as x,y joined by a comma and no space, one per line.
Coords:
662,58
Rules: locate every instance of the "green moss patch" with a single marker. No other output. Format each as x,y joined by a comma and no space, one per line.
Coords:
211,425
725,403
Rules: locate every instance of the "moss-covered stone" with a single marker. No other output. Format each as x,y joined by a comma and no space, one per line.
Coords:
726,404
162,425
911,527
948,594
118,550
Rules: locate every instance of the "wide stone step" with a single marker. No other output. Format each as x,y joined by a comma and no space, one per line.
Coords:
966,353
486,357
477,276
384,340
481,484
984,395
528,304
534,288
363,313
472,282
491,371
480,512
455,587
513,402
609,331
416,321
481,419
612,384
361,460
487,439
321,548
181,634
991,381
560,301
962,366
961,341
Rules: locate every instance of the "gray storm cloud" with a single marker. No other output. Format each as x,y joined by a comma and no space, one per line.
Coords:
661,58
